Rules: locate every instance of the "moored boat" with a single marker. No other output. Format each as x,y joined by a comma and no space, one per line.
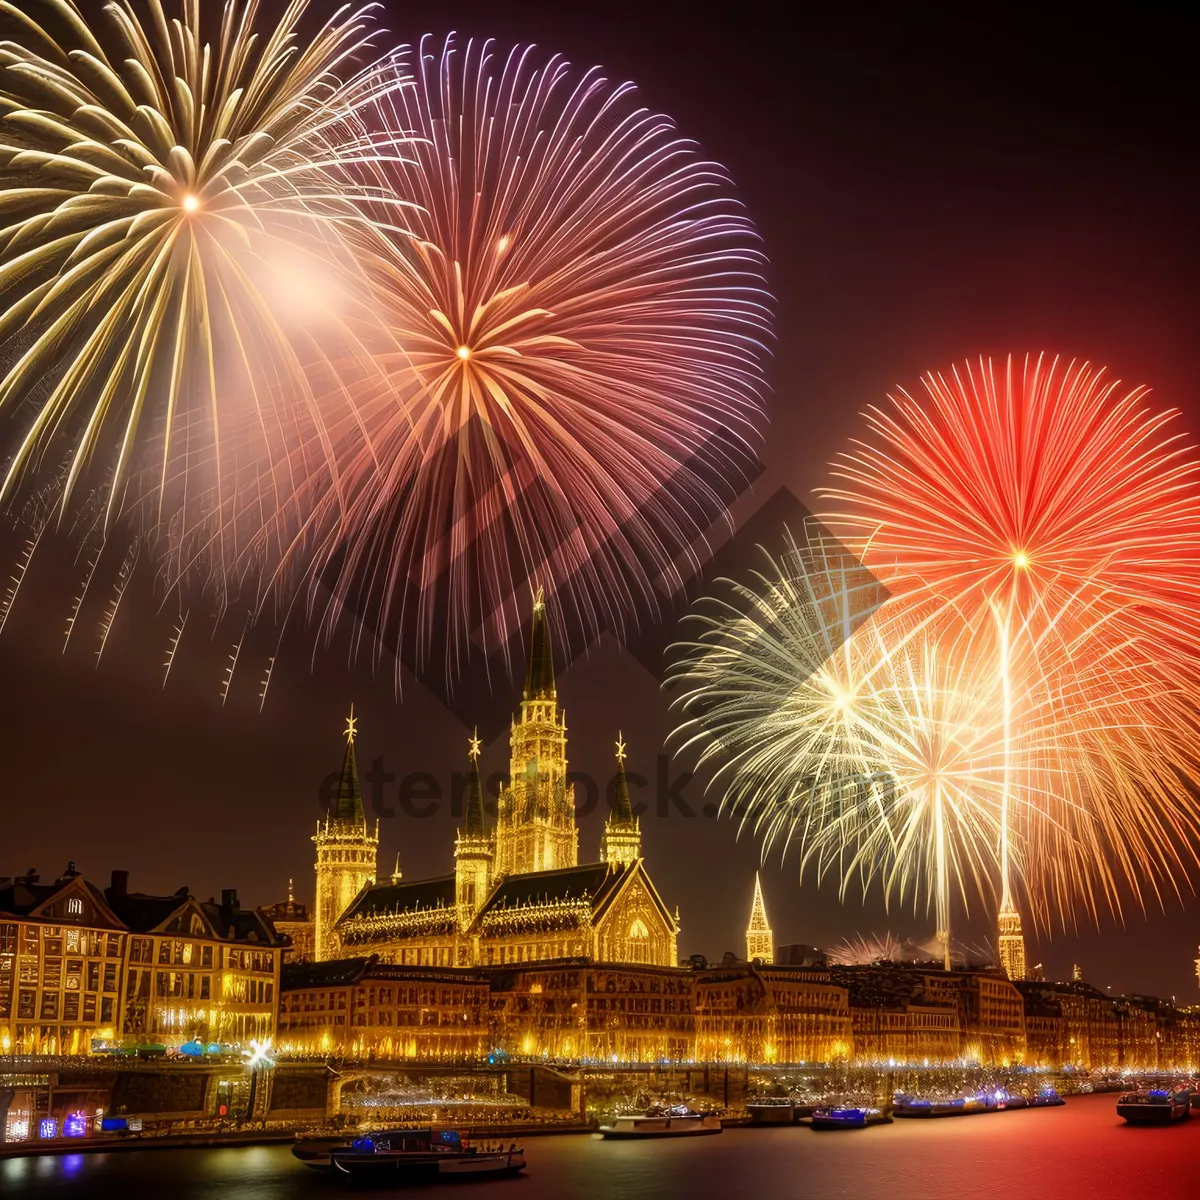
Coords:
958,1106
1156,1105
422,1156
317,1153
1047,1097
676,1121
783,1111
848,1116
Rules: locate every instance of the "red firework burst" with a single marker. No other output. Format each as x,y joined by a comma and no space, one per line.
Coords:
1071,509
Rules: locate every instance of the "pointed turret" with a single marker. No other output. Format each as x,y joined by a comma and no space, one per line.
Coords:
347,802
539,671
760,943
473,814
346,852
473,851
622,840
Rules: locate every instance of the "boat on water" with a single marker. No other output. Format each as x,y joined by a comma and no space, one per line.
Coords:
848,1116
1156,1105
783,1111
675,1121
317,1153
957,1106
410,1156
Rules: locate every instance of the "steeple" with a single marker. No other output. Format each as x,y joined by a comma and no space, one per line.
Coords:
347,802
346,852
535,821
622,840
473,816
473,851
539,671
760,944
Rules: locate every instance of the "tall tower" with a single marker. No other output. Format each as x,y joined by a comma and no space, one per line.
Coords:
535,826
759,942
622,838
1011,942
345,852
472,850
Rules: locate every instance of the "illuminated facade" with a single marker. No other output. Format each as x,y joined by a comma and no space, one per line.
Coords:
518,893
83,969
346,853
1011,943
760,943
196,970
758,1013
1074,1024
362,1009
62,954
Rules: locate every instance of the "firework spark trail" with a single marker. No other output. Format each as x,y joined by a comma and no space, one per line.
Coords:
183,223
77,602
581,315
110,614
173,645
235,654
1072,510
18,577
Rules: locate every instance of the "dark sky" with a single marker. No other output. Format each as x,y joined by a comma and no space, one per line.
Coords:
928,188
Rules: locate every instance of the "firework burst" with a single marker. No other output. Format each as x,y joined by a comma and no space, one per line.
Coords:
171,206
580,315
1069,510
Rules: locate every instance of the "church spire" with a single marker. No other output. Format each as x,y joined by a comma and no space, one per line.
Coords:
473,817
539,671
760,943
622,840
347,801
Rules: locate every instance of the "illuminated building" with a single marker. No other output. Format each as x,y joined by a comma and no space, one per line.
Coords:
293,921
195,970
1074,1025
893,1019
1011,943
362,1009
760,944
62,951
517,894
346,852
597,1012
758,1013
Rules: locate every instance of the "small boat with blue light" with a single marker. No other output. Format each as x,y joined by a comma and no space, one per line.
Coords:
1156,1105
1047,1097
674,1121
848,1116
957,1106
421,1156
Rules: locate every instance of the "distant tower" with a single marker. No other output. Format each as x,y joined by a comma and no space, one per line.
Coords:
472,850
759,942
1076,973
535,827
622,839
1011,942
345,852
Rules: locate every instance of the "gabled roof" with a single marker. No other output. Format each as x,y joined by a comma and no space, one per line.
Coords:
172,914
19,897
432,898
590,884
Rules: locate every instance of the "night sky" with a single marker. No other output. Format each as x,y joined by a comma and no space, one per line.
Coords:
927,190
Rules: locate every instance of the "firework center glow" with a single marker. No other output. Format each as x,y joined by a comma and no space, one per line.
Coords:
463,352
1021,559
190,202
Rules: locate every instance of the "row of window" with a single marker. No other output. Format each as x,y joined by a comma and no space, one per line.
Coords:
69,1006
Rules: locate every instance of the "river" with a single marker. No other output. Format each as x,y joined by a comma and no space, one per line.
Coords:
1081,1150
